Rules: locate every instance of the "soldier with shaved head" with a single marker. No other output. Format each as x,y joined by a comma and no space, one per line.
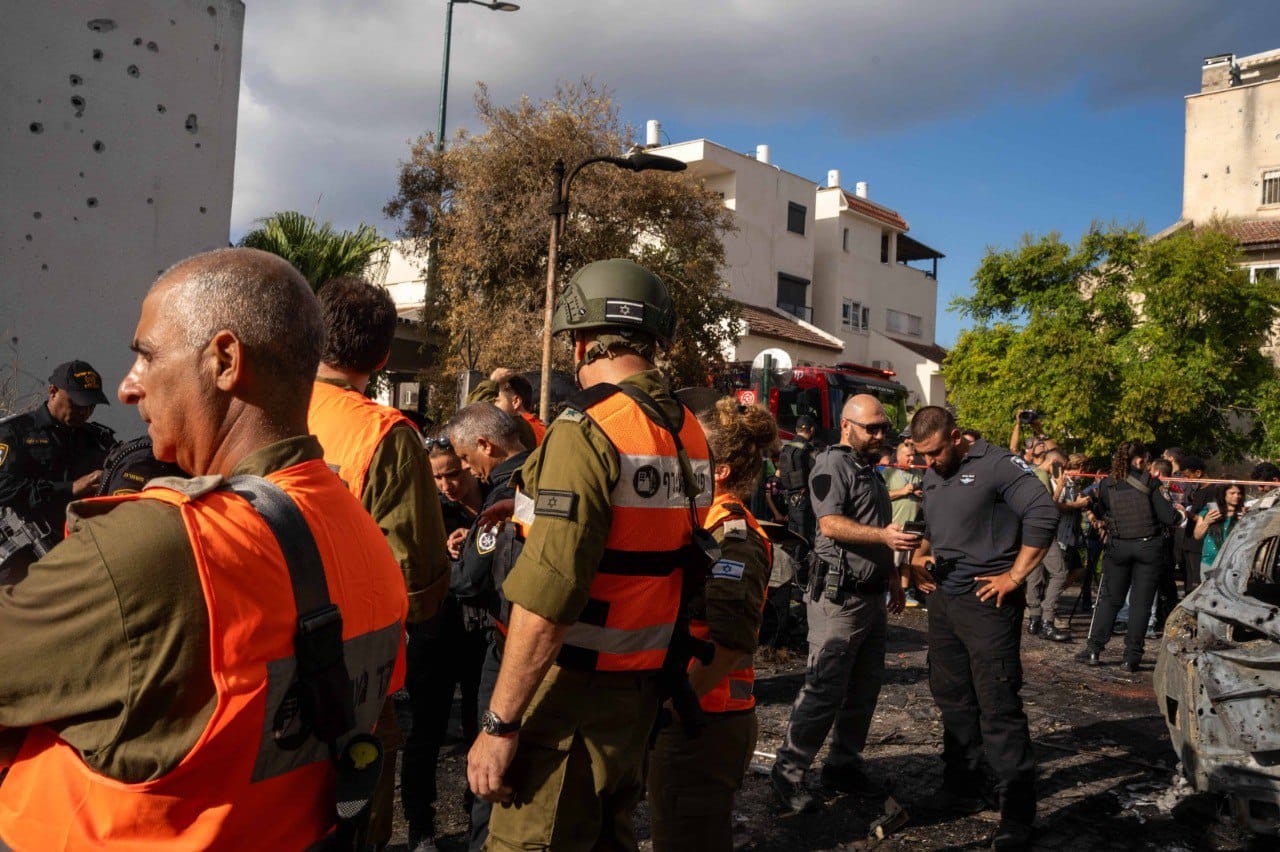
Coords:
189,637
856,541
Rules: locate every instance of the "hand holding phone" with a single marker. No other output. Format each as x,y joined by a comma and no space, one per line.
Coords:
915,528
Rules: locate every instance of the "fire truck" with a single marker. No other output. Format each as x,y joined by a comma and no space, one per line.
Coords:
819,392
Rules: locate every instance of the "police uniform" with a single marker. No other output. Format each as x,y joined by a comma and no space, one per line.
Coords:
978,519
847,621
692,781
795,463
178,603
475,593
41,458
1136,514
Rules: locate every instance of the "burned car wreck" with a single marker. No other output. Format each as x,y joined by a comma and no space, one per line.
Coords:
1217,678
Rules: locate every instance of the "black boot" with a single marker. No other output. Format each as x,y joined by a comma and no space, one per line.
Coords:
1053,634
1034,625
1012,836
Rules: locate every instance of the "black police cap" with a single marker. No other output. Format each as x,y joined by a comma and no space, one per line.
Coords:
81,382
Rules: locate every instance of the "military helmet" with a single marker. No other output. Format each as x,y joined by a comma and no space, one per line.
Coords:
617,294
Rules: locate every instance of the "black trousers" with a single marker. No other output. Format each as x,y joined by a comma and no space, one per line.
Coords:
440,655
1092,553
480,809
1130,568
975,674
1167,584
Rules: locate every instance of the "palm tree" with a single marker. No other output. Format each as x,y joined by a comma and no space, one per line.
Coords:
316,250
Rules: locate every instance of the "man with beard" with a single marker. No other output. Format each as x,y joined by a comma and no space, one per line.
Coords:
989,523
855,542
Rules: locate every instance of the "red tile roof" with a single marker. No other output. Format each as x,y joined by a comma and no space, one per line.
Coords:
931,351
875,211
766,322
1251,232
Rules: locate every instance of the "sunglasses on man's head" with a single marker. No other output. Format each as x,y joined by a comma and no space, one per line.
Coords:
441,442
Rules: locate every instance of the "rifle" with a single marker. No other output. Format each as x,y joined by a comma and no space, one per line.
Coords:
20,537
673,681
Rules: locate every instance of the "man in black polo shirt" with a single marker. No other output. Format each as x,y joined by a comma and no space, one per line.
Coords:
846,607
989,523
52,455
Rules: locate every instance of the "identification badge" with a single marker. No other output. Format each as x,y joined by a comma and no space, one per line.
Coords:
4,453
486,540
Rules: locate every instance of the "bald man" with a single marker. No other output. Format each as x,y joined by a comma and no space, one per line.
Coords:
167,708
848,621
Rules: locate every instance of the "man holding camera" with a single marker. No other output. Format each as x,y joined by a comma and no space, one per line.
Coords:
989,523
855,543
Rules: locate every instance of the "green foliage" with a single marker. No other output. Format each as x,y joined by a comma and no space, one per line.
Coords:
1121,337
482,203
317,250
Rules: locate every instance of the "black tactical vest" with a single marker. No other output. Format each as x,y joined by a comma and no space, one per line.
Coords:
1132,515
794,464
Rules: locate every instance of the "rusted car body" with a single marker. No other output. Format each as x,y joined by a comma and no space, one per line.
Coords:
1217,678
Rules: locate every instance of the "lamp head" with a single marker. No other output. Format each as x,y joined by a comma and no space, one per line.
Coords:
640,161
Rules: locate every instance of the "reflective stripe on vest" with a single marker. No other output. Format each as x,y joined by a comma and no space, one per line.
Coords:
248,782
350,427
635,597
737,690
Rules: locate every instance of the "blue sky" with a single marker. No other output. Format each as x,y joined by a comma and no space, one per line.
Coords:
979,120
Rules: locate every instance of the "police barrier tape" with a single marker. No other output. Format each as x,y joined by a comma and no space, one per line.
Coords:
1079,474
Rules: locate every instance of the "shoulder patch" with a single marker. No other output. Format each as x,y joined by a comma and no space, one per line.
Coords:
727,569
193,488
555,504
4,453
573,415
486,540
1022,465
735,529
821,485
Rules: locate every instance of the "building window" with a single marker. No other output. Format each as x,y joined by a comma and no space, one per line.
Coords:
897,322
1271,187
884,247
854,315
844,240
793,296
1264,273
795,217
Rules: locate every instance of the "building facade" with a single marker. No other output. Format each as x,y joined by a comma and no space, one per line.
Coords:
1231,171
116,160
821,272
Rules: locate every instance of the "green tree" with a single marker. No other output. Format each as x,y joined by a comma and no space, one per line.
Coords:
483,202
1120,337
317,250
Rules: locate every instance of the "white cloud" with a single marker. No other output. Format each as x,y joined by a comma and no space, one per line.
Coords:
332,90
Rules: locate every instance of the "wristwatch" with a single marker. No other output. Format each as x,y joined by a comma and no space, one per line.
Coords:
493,725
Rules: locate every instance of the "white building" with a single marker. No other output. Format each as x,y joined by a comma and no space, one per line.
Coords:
822,272
116,160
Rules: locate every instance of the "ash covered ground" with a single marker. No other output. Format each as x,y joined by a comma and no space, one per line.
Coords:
1106,777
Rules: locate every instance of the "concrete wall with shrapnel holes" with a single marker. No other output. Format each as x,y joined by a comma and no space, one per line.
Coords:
117,153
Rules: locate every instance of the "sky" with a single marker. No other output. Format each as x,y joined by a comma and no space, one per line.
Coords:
978,120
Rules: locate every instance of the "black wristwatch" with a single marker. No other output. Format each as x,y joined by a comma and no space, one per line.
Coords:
493,725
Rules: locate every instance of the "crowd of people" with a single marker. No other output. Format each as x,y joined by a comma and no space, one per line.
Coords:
223,634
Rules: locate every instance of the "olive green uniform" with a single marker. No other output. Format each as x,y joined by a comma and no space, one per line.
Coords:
116,618
692,781
578,771
400,495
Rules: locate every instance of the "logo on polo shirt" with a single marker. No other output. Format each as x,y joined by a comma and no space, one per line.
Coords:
967,478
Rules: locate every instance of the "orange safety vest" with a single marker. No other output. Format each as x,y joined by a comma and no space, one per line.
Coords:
536,425
350,426
737,690
240,786
634,599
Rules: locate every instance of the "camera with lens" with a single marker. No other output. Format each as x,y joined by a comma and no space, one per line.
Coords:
1028,415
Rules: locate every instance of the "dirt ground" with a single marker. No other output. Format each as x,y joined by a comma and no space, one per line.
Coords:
1106,777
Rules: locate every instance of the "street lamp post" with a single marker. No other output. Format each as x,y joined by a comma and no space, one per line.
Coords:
444,68
636,161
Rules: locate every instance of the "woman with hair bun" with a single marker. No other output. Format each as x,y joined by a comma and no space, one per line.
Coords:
1136,514
692,781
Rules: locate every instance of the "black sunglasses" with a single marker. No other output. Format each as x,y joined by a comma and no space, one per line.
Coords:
873,428
441,442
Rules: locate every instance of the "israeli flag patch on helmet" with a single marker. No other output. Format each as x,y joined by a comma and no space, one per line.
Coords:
624,310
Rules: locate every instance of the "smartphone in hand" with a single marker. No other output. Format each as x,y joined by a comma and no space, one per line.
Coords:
914,527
